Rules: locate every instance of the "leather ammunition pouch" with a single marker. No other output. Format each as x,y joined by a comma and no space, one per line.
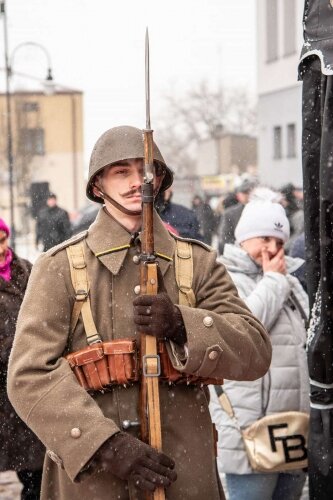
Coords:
105,363
101,365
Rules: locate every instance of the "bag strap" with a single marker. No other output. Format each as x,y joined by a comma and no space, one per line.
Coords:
297,303
184,273
226,404
80,281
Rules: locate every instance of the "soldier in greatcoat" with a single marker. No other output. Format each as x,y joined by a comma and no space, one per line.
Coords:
93,444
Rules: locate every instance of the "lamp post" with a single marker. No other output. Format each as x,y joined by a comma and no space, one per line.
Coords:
217,134
9,71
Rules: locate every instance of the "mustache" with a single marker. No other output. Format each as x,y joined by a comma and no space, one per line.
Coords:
134,191
131,192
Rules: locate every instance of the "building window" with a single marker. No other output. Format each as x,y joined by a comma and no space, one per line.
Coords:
277,143
291,140
289,27
30,106
272,30
31,141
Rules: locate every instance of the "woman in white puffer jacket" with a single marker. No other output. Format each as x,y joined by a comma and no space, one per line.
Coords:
262,275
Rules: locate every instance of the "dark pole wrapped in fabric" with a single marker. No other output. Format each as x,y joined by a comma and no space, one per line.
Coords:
316,71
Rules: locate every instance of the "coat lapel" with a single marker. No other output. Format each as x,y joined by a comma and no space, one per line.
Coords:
110,242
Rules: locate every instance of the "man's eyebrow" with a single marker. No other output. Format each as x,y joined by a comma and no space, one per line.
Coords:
124,163
121,163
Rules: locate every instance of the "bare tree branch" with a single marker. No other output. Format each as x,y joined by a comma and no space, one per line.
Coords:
199,114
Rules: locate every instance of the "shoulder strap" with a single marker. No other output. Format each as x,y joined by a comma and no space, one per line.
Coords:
184,273
79,277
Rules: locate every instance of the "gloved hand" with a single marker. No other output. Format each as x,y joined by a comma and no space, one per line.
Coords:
157,315
129,458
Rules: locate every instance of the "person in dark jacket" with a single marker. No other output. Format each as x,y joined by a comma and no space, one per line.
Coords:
179,217
53,225
20,449
232,215
294,211
206,218
298,250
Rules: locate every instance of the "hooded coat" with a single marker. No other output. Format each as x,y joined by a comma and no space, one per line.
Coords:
276,300
224,340
20,448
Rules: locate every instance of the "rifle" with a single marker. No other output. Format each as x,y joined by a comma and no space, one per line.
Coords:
149,397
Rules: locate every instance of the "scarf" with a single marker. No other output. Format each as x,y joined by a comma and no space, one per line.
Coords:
5,266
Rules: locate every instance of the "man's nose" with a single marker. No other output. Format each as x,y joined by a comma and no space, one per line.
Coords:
136,178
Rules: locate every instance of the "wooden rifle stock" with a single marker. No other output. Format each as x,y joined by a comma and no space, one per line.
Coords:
149,397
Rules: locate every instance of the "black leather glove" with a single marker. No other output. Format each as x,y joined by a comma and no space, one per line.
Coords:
130,459
157,315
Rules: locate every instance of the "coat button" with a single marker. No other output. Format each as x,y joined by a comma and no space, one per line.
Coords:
208,321
213,355
75,432
136,259
137,289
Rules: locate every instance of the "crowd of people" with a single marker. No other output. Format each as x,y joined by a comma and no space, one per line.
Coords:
259,239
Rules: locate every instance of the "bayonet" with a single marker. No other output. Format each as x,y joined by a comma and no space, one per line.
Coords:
148,132
147,73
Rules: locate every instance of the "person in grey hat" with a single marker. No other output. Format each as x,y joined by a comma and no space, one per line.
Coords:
262,274
93,440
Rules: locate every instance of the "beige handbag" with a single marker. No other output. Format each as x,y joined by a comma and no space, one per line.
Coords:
278,442
274,443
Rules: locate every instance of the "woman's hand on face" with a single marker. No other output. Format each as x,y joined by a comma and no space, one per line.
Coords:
276,264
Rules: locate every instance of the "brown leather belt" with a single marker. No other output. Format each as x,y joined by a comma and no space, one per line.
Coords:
116,362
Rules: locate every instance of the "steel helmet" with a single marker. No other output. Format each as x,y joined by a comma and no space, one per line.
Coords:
116,144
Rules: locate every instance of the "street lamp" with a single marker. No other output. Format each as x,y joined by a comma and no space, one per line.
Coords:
217,134
9,72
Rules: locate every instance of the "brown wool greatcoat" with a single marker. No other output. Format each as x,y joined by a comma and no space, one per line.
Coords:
47,396
19,447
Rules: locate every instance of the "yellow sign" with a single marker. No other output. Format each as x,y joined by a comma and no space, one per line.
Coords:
224,183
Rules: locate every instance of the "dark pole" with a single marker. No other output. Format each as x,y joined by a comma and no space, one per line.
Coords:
9,131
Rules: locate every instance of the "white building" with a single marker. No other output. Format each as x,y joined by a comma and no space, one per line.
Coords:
279,37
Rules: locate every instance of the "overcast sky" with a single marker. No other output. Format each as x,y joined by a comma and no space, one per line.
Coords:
98,47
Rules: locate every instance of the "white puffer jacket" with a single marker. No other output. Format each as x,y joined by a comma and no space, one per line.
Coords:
274,299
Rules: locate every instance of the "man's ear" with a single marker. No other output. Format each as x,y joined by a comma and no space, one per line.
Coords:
96,190
158,183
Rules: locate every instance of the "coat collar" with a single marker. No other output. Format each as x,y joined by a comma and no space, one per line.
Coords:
110,242
20,270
